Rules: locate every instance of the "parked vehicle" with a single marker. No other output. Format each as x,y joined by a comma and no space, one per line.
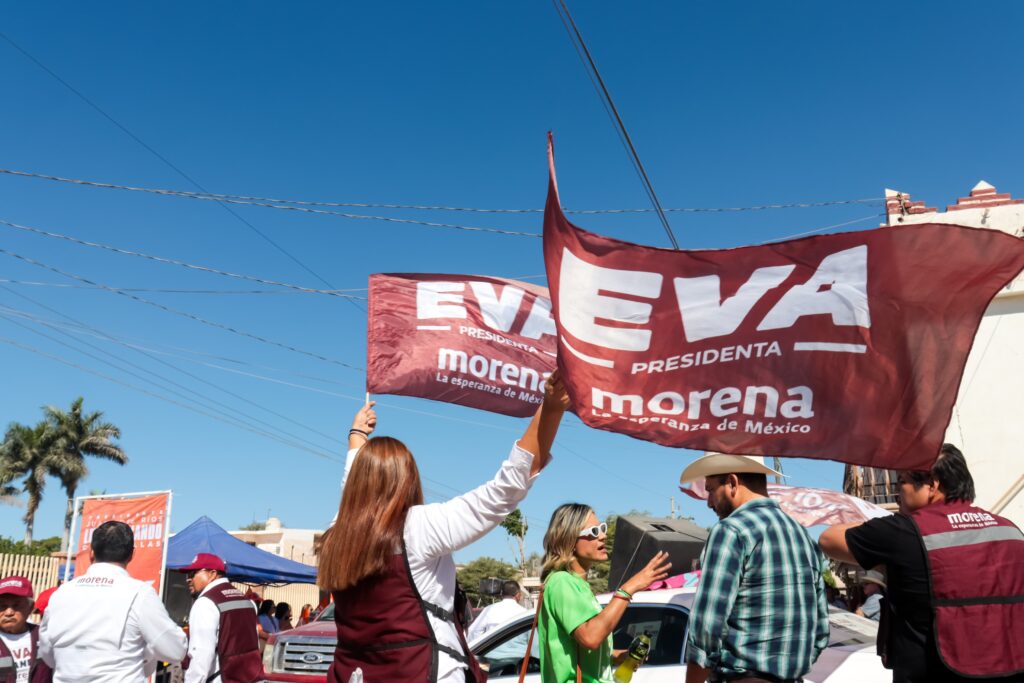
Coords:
304,654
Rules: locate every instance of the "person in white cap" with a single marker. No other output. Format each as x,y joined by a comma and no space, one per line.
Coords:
105,625
760,612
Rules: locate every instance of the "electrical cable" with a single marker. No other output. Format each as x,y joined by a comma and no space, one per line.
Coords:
217,405
156,290
186,406
163,159
638,164
265,201
183,314
170,261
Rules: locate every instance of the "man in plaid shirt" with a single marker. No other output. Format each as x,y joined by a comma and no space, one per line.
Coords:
760,613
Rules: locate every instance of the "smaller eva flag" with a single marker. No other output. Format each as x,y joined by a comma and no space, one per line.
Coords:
477,341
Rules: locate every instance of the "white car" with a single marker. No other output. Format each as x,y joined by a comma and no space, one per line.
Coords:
849,658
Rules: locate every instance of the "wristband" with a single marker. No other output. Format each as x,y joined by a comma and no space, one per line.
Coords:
624,593
359,431
619,596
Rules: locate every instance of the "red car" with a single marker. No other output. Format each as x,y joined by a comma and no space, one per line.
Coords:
303,654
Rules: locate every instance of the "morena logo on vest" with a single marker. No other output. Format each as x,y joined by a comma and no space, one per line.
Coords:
970,519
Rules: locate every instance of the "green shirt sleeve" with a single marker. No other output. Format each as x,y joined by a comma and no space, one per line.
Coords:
570,601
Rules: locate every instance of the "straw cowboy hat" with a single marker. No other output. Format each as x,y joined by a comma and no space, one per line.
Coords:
874,577
712,463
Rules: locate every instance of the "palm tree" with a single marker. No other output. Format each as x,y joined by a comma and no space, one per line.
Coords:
25,452
75,436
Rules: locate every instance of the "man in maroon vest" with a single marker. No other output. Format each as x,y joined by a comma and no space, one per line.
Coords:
223,646
955,606
19,640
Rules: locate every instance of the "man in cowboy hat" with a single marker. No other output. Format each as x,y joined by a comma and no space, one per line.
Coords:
760,612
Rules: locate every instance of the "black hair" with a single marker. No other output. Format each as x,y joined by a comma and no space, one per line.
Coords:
282,609
113,542
510,589
950,470
755,481
267,607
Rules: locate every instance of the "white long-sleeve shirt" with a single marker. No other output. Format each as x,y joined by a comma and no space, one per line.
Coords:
107,626
203,634
495,615
433,532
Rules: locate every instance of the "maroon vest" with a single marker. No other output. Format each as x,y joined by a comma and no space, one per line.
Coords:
976,569
383,629
39,672
238,644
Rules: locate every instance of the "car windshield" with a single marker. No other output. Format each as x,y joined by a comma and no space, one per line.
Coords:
849,629
327,614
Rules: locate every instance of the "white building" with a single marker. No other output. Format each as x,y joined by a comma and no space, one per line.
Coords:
292,544
987,422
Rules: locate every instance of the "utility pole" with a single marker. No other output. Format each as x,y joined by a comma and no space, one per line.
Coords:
672,507
777,462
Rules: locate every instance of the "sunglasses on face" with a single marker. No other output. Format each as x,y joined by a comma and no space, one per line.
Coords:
594,531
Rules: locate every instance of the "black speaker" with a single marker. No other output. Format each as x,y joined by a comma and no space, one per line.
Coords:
491,586
638,538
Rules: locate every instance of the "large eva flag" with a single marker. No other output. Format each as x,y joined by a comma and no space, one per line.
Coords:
848,346
481,342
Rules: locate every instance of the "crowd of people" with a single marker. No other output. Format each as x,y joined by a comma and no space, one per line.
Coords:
944,579
760,613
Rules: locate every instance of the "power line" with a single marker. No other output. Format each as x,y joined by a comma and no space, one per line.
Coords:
115,380
644,179
157,290
170,261
268,201
219,406
163,159
184,314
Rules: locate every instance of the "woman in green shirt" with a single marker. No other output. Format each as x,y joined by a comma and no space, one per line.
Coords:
574,629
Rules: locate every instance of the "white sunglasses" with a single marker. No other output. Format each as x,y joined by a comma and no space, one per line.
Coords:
594,531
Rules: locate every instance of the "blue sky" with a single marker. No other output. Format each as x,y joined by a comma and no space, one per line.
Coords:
730,104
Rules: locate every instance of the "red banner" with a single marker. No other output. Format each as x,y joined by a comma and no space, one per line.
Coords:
146,515
845,347
481,342
809,506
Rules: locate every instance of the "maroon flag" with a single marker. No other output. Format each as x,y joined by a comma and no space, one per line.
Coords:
482,342
846,347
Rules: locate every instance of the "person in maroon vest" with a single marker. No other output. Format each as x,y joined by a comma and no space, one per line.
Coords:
388,558
223,646
19,640
955,604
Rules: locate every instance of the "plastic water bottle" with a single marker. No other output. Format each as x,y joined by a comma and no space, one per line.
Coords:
638,651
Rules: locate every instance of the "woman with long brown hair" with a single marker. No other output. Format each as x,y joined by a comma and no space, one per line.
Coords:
388,558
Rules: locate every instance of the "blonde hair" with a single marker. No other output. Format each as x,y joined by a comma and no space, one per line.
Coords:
560,538
383,484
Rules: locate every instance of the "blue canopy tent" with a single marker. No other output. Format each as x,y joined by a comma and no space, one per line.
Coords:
245,563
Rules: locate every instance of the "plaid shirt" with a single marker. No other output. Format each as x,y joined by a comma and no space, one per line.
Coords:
760,606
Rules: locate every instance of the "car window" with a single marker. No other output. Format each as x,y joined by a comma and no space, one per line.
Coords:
327,614
848,628
504,656
665,623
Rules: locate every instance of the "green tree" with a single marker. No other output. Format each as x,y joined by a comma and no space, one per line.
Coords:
26,452
516,526
254,526
76,435
43,547
484,568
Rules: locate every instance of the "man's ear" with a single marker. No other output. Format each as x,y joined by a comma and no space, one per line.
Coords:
732,480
